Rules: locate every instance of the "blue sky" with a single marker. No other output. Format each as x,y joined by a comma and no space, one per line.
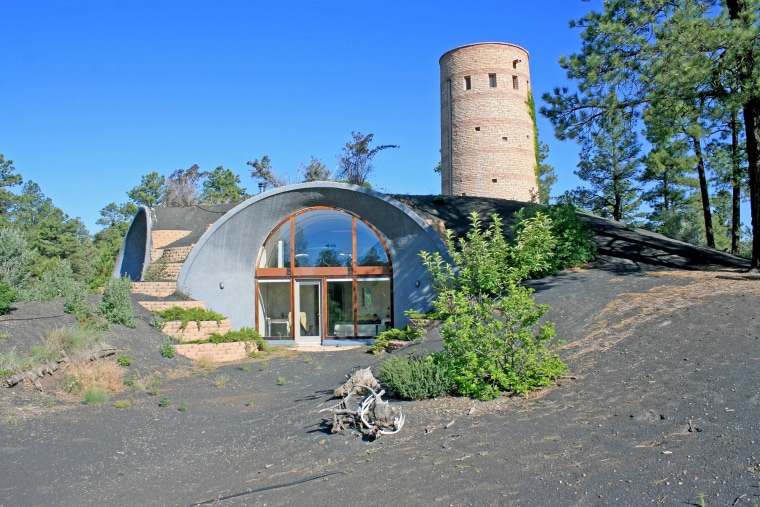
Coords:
97,93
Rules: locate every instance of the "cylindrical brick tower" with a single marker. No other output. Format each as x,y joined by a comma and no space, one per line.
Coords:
487,134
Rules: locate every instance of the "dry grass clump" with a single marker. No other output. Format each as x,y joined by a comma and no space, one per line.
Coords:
104,374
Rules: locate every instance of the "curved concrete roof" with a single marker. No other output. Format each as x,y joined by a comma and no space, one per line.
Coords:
220,269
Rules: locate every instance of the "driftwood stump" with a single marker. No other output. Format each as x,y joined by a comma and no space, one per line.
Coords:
362,407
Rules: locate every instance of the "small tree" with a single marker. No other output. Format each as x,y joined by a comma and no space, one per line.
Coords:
222,186
15,257
116,305
355,163
150,190
182,187
493,338
262,170
315,171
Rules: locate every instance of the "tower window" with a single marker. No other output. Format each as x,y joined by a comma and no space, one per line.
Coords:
494,180
515,82
477,129
467,83
492,80
514,63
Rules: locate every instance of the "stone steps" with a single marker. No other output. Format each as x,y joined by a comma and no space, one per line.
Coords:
155,289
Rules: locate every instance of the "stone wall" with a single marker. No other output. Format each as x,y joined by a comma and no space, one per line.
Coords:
487,134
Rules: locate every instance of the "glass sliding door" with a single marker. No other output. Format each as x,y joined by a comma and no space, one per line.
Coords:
340,308
275,309
373,305
307,321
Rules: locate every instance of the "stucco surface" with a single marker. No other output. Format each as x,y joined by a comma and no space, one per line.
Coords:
221,268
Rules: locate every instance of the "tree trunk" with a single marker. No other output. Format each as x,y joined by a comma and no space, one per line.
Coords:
752,127
736,179
751,110
703,190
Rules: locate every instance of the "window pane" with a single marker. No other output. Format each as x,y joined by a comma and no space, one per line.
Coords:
369,249
340,308
276,252
323,239
274,308
373,300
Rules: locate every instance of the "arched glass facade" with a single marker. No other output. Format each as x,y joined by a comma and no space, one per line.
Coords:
323,273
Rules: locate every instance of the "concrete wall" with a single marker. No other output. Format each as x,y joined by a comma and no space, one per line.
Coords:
134,256
487,135
220,269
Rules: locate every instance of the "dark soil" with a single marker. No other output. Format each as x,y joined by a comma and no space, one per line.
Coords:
661,407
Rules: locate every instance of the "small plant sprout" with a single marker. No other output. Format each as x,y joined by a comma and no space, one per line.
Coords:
281,380
183,406
165,401
221,380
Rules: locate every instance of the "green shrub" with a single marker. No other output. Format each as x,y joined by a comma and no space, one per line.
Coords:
124,360
187,315
15,257
573,243
244,334
494,340
7,298
95,395
53,283
116,305
122,404
76,300
167,349
416,377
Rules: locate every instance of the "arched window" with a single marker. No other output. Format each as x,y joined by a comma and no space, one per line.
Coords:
329,268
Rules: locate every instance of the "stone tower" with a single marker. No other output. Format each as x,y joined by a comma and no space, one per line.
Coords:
487,134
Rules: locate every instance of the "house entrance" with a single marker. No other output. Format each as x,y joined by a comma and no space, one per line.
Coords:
308,324
323,274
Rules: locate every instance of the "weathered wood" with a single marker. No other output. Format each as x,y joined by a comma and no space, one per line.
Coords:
37,372
367,413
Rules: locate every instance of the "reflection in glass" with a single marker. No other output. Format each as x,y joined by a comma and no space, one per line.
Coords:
374,306
369,249
274,309
323,239
276,253
340,308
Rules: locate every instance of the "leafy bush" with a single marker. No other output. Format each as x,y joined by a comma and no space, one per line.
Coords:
15,257
167,349
76,300
493,337
95,395
116,305
416,377
572,239
7,298
244,334
187,315
53,283
124,360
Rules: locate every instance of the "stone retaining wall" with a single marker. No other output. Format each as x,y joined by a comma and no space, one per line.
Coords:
157,306
156,289
195,332
216,352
